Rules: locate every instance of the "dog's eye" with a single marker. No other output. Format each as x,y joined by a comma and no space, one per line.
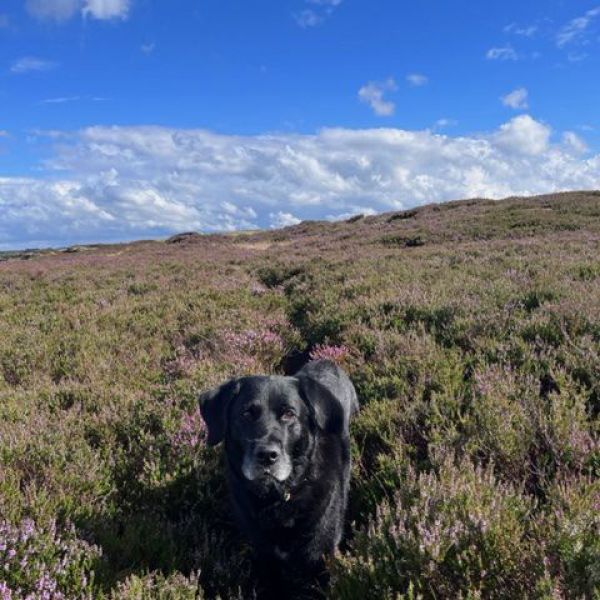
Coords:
251,413
288,414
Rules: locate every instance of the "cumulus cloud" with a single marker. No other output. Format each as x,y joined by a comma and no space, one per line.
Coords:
502,53
576,29
283,219
111,183
517,99
27,64
41,213
574,142
417,79
372,94
524,135
62,10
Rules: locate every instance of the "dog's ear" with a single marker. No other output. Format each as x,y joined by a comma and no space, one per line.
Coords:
324,406
330,394
213,407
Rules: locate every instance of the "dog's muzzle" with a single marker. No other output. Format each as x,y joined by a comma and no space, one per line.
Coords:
266,459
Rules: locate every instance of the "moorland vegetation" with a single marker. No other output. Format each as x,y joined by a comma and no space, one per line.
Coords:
471,331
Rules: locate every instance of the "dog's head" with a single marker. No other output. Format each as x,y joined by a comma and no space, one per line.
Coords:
270,423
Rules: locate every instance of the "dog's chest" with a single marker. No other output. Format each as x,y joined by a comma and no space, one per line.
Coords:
278,517
280,553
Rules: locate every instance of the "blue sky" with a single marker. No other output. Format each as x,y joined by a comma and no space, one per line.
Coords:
122,119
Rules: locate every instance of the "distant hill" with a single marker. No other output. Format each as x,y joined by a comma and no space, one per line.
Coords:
460,220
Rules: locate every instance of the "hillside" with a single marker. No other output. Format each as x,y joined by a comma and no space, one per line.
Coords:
471,331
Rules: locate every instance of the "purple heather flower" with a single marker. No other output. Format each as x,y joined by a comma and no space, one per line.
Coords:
191,431
335,353
5,591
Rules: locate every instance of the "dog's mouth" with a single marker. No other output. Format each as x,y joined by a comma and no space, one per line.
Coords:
271,474
266,478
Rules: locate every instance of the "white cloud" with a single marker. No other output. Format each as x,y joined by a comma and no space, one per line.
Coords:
313,17
67,99
308,18
283,219
27,64
445,122
503,53
517,99
372,94
61,100
148,48
574,142
62,10
417,79
111,183
524,31
106,9
524,135
576,29
352,212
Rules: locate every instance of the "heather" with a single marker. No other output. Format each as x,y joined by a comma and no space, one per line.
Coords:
470,329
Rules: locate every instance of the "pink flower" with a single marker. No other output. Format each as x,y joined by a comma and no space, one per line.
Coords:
337,354
5,591
191,432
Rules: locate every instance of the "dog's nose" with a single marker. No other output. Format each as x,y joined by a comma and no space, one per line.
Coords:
267,455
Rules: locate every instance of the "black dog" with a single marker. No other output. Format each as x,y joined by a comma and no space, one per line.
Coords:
287,447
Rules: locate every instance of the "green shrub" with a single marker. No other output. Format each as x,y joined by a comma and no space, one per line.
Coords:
156,586
571,528
44,561
460,533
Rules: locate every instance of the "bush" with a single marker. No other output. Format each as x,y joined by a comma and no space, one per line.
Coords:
459,533
156,586
45,562
571,527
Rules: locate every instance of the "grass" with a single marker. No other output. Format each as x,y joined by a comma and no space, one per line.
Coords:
472,333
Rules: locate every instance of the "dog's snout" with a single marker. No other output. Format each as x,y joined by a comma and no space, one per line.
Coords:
268,455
